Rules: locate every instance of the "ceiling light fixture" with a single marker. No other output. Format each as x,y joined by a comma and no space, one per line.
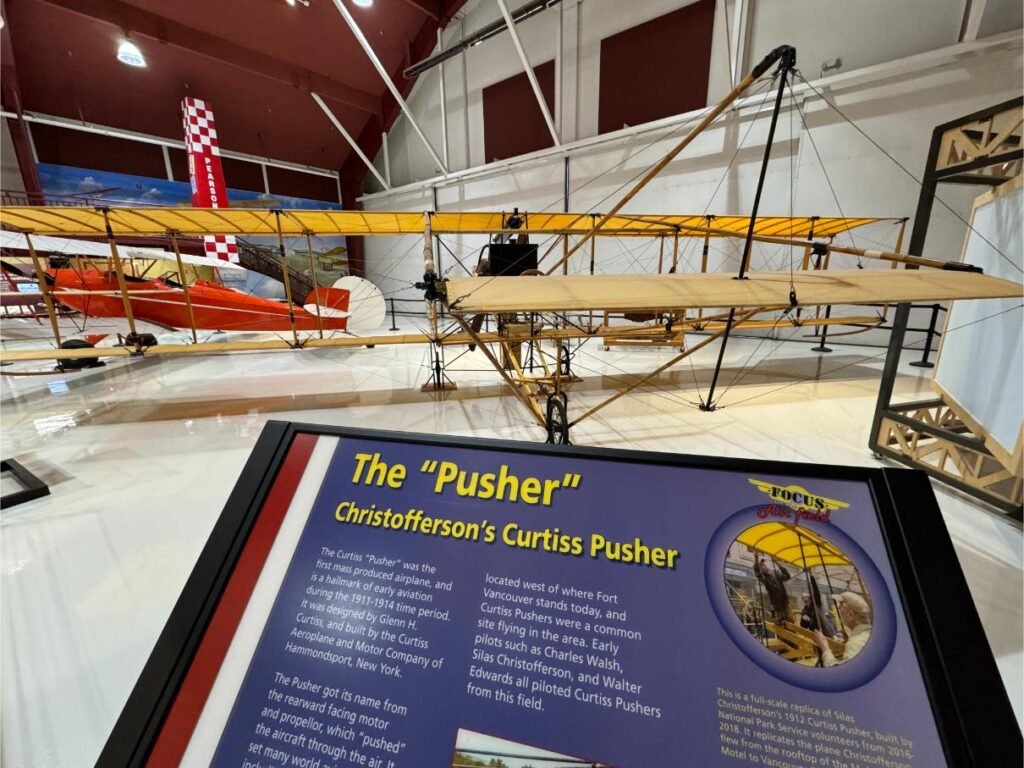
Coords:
129,53
363,3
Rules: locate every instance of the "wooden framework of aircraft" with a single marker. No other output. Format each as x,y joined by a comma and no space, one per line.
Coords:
537,308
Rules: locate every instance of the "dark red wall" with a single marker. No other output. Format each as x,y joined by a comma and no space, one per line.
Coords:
513,122
101,153
285,182
656,69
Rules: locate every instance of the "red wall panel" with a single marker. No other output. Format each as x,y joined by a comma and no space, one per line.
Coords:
656,69
513,122
102,153
285,182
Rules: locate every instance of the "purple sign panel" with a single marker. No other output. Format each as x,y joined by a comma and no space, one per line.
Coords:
454,607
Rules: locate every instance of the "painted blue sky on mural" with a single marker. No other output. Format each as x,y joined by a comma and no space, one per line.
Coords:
126,189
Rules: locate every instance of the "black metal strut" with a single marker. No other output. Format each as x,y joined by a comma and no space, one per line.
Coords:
787,61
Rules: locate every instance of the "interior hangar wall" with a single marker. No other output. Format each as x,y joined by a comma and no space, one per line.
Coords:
821,30
897,104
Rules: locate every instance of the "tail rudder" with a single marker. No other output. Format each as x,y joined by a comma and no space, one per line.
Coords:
366,305
333,302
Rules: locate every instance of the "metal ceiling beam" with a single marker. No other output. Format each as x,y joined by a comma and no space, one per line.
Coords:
142,23
160,141
369,138
521,13
352,142
352,25
530,74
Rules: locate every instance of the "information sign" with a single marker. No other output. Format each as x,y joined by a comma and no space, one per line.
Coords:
387,600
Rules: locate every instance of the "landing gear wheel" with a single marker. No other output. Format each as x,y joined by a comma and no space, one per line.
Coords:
564,361
557,421
77,363
140,340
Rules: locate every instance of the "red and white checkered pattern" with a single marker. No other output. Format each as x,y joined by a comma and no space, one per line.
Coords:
208,187
221,247
200,131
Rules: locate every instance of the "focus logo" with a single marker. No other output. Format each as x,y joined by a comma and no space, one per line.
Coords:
807,505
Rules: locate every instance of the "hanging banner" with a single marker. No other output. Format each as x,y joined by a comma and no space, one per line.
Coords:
205,172
402,601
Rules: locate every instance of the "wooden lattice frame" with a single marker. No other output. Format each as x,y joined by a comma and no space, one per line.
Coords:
935,437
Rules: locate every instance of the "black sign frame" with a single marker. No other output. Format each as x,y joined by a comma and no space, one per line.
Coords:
972,711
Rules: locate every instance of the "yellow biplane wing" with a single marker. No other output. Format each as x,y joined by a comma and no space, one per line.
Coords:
631,293
791,544
83,221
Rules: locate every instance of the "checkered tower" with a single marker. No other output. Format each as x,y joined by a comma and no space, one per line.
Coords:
206,172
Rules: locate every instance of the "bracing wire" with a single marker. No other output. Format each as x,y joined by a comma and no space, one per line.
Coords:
868,358
743,371
909,173
821,164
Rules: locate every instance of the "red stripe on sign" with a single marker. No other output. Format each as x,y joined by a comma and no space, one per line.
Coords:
191,698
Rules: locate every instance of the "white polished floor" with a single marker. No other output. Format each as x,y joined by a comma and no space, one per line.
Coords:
141,455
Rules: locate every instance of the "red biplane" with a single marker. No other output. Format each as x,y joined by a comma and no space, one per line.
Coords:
208,306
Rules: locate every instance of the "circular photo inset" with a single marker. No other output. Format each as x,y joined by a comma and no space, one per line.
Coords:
799,595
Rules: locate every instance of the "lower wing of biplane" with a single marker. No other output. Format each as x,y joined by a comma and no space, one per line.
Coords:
540,308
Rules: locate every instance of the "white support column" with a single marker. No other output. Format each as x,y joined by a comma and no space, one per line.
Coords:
529,71
568,127
350,140
741,39
974,11
266,179
465,95
387,157
444,103
31,142
368,49
167,163
558,72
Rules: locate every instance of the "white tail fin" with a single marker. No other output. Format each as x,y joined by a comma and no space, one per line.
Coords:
366,305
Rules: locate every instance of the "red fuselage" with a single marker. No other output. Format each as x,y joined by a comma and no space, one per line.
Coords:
214,307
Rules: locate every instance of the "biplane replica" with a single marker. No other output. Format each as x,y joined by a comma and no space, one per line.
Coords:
530,297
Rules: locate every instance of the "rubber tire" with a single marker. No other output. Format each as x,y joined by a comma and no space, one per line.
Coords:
76,363
557,421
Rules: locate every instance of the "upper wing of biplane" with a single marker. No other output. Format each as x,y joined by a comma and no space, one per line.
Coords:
627,293
792,544
83,221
